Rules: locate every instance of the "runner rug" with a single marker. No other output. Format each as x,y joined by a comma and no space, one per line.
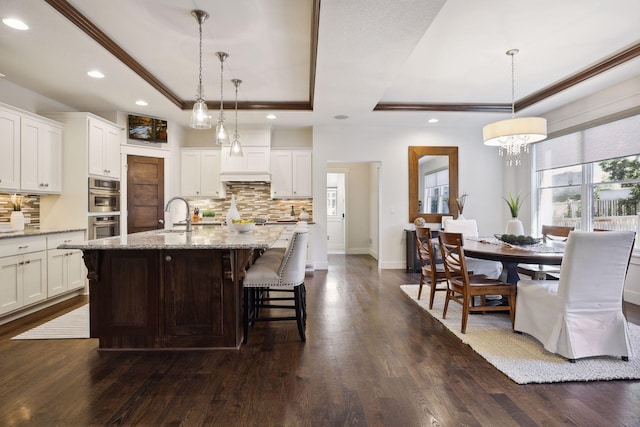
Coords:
74,324
521,357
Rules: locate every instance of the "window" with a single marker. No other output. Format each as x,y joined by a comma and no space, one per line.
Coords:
436,192
332,202
590,180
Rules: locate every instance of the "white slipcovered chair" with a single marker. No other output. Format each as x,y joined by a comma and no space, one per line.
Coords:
469,228
581,314
281,275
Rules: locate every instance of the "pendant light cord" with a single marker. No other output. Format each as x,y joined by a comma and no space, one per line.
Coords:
200,65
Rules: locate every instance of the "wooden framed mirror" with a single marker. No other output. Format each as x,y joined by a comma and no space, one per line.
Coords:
433,182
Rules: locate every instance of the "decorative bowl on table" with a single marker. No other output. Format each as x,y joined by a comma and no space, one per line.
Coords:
243,225
520,240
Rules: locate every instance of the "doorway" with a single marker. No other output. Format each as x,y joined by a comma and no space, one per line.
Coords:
145,193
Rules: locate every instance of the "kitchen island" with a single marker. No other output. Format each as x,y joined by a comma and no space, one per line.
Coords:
170,289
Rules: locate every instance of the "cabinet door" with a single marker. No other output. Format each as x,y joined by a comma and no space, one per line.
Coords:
10,284
301,173
76,271
30,135
190,173
210,184
112,152
56,283
97,140
257,159
34,277
9,150
281,174
50,159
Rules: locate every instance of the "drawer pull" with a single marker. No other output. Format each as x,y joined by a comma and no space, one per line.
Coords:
67,241
23,247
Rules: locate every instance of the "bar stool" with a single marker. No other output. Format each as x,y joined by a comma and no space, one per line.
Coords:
285,275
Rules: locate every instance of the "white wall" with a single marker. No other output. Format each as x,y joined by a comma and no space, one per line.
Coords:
480,168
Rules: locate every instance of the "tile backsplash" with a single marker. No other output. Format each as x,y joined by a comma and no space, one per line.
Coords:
30,208
253,200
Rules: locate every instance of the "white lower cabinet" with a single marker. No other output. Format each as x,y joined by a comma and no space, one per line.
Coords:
33,270
23,275
65,267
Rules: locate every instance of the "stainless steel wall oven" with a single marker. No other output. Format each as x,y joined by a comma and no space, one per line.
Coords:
104,195
104,226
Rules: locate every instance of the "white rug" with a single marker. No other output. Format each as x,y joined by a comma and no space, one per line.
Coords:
74,324
521,357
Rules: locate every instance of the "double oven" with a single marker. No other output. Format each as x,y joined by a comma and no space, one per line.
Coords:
104,208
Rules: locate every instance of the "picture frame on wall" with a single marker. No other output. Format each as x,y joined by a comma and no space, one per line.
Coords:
147,129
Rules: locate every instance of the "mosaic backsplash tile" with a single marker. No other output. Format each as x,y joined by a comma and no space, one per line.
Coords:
253,200
30,208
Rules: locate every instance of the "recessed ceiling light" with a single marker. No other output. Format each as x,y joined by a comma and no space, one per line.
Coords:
434,120
271,116
142,102
16,24
341,117
95,74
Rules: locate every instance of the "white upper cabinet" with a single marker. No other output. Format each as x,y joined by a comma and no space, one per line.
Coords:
201,174
291,174
9,150
104,149
40,156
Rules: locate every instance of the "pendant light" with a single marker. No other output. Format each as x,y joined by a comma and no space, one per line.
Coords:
222,135
200,118
514,135
236,148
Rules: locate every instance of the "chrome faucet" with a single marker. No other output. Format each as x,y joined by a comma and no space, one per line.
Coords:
167,209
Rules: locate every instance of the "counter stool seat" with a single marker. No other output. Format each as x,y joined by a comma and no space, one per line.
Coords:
283,276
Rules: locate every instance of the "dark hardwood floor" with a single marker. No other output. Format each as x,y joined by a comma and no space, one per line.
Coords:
372,358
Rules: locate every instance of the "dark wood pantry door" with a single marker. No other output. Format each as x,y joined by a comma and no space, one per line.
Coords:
145,193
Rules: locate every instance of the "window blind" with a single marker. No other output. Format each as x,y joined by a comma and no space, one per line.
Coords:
609,141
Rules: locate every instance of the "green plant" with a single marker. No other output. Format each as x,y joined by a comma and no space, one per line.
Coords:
514,203
16,202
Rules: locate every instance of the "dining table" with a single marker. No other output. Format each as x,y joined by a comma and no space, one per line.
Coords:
491,248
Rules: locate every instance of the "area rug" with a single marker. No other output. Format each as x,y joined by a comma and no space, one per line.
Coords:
74,324
521,357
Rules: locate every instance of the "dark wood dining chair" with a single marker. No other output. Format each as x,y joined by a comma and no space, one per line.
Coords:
463,287
550,233
430,271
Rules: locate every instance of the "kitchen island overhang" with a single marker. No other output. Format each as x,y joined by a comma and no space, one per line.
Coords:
169,289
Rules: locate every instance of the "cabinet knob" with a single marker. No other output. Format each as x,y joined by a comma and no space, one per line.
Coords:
167,258
27,262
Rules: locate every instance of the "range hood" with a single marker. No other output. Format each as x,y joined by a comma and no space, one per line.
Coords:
255,163
245,177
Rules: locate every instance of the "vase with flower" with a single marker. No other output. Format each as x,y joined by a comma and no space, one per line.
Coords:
460,201
514,225
17,217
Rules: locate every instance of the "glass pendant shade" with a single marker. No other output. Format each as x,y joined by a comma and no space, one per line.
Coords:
200,118
222,134
236,147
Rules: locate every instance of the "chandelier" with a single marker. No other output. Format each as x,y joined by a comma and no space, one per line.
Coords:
200,118
236,148
514,135
222,136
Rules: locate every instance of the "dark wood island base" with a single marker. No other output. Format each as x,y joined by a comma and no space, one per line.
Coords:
156,291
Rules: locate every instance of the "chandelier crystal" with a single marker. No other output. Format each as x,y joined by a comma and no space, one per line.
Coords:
513,136
222,135
200,118
236,147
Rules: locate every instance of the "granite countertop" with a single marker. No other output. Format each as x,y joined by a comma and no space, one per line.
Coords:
30,232
199,238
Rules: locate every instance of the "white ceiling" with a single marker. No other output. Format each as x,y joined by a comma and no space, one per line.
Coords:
369,52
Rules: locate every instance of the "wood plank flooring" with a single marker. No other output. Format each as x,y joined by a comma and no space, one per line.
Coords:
372,358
